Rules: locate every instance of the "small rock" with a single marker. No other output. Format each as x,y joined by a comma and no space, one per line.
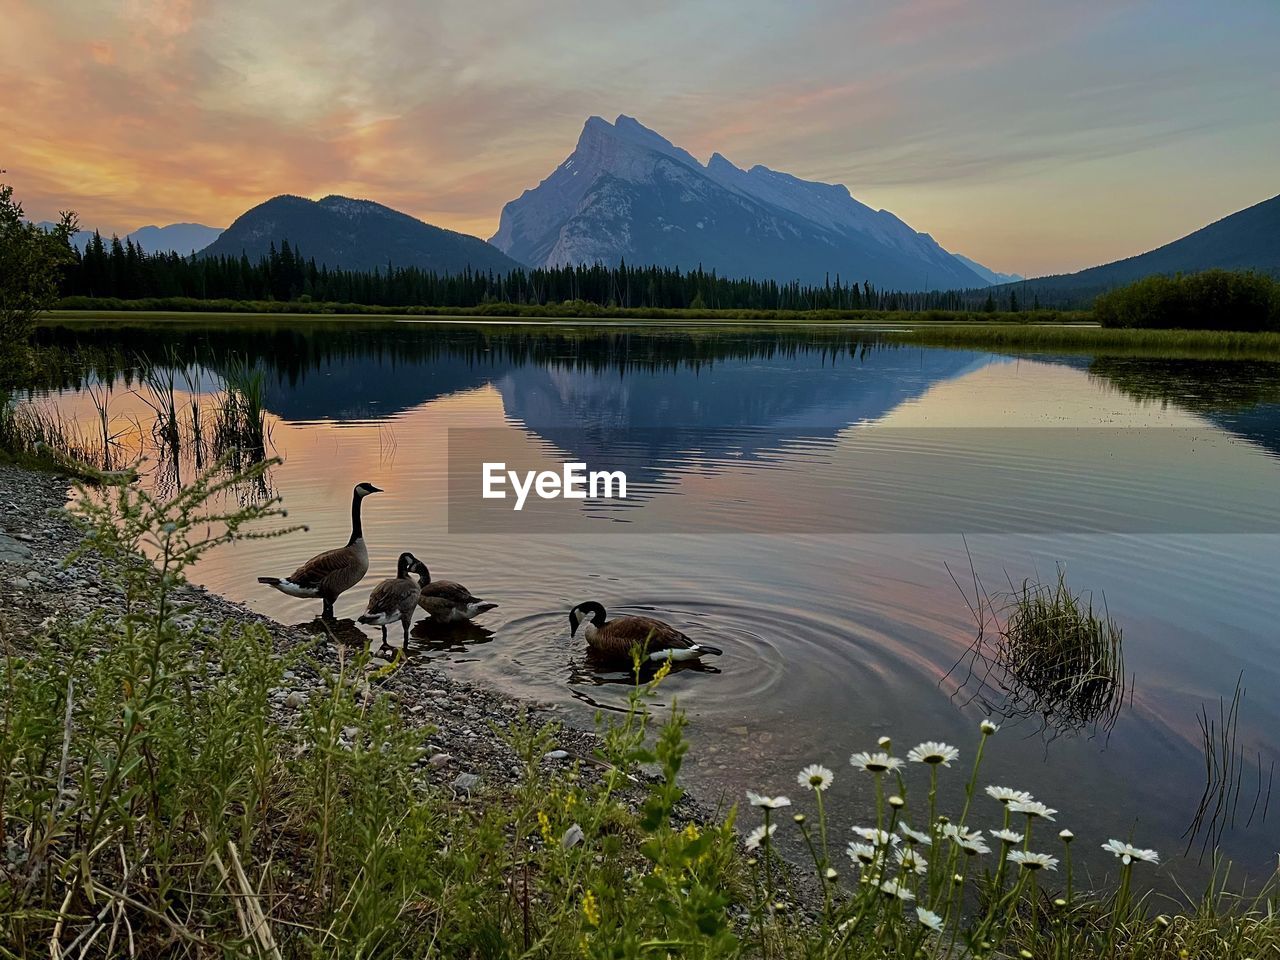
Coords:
20,583
465,782
438,760
555,754
294,700
350,732
24,537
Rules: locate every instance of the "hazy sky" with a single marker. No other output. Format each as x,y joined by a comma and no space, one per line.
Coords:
1032,135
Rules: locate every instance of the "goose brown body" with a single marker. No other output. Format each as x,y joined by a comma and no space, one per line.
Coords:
621,637
448,601
394,599
330,574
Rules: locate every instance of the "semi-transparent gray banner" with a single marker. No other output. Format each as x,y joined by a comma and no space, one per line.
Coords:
865,478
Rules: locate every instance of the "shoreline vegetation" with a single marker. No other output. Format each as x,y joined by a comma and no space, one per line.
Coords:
164,792
1047,331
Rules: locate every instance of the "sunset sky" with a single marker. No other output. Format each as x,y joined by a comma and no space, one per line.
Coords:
1033,135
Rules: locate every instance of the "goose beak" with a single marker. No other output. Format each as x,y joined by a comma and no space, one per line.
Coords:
373,489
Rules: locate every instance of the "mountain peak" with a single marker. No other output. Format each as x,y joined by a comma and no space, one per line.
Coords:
341,232
627,192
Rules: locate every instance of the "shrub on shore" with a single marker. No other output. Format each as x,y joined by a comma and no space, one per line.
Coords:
1212,300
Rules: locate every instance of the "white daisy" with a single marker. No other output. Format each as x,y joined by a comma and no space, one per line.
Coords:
875,762
973,846
756,836
773,803
1008,795
1008,836
862,853
908,859
893,888
1129,853
815,777
1033,861
987,727
959,833
1032,808
1066,836
931,751
876,836
915,836
929,919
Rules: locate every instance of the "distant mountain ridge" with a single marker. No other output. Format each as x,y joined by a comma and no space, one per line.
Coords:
991,276
1246,240
354,235
183,238
628,193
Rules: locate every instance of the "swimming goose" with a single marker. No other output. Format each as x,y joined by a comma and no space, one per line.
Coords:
395,599
446,601
616,638
336,571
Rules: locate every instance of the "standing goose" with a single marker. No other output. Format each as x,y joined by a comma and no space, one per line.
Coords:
617,638
447,601
334,572
395,599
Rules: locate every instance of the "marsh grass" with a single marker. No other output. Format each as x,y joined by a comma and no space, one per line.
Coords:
1238,782
184,430
1084,338
240,420
1056,644
1043,651
40,435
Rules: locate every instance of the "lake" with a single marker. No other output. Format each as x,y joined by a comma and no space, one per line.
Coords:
823,505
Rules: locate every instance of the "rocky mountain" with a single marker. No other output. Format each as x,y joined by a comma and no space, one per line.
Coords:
1246,240
356,235
628,193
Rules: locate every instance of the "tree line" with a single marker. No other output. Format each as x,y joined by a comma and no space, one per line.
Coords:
122,270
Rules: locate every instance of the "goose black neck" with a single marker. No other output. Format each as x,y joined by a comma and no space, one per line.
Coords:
357,532
402,567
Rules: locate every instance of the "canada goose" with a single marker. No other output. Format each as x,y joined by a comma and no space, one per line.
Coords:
334,572
616,638
395,599
446,601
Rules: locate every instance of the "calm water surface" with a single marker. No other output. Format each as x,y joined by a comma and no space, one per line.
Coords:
803,500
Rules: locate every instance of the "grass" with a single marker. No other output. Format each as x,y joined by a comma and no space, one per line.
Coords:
40,436
173,309
1042,651
151,806
1054,644
229,426
1207,344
